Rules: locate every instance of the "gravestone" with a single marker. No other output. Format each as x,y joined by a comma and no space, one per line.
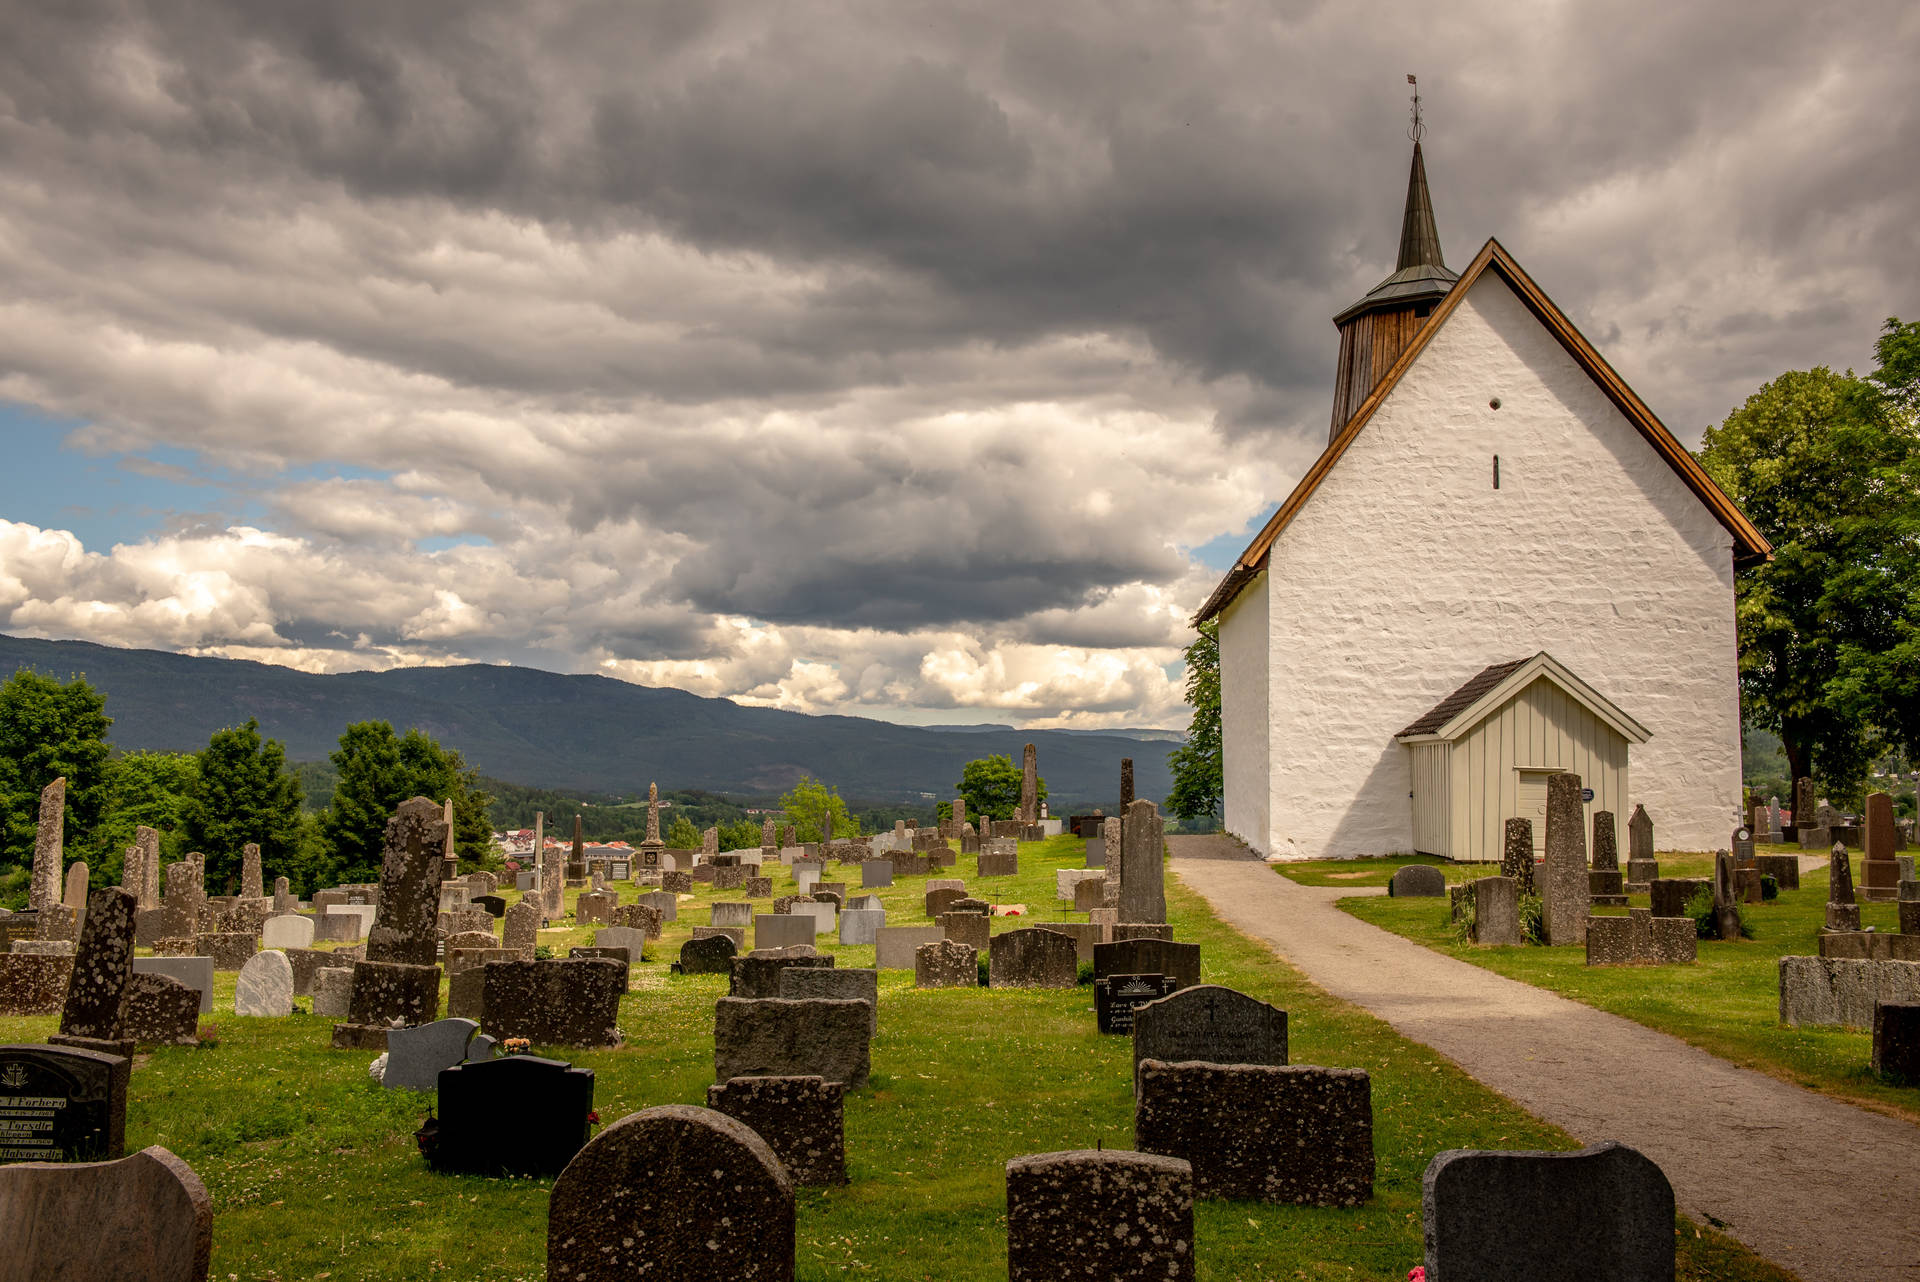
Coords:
894,946
264,986
43,891
102,966
571,1002
1422,881
758,973
520,928
1879,874
802,1119
945,964
1496,911
1843,991
33,983
1089,895
850,984
997,865
861,925
676,883
251,886
732,914
1640,939
1605,886
782,930
1259,1133
1109,1215
1029,785
286,932
513,1115
416,1055
398,980
62,1104
738,934
75,897
1142,845
975,930
160,1011
1605,1211
710,956
1896,1041
143,1218
1179,962
1117,997
1516,854
1096,853
876,873
781,1037
1211,1023
673,1192
1564,892
195,972
1784,869
939,900
1843,911
1033,957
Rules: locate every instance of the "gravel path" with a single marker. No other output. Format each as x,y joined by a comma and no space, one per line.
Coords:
1825,1189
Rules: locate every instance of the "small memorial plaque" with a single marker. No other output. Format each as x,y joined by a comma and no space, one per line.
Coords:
59,1104
1116,997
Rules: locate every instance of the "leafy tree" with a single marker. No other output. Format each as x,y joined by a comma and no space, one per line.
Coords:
1197,785
1826,466
379,770
241,793
742,834
682,835
809,803
50,729
991,787
152,789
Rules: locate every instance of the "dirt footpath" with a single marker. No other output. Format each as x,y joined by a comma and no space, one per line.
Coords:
1825,1189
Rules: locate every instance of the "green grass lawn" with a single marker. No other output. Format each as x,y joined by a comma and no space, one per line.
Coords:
1727,1003
313,1171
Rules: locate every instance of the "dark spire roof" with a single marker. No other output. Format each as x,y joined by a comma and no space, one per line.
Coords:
1421,273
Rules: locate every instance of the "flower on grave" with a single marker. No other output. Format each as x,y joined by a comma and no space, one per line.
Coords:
515,1046
1418,1273
593,1117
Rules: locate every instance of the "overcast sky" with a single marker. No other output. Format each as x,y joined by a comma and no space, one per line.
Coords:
918,361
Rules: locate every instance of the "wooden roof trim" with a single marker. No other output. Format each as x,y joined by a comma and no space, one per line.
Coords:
1542,665
1749,544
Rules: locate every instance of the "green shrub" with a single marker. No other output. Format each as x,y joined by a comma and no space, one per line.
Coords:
1769,887
1533,919
1705,924
1085,974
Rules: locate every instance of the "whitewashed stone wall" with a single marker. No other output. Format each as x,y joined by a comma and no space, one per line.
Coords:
1244,745
1407,572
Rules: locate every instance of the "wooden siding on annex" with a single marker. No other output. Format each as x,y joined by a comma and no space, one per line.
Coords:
1465,791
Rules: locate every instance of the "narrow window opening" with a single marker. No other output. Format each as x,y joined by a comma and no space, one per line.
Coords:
1496,471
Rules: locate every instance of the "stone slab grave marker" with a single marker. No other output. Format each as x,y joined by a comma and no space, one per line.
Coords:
1879,874
1605,885
1110,1214
195,972
1117,997
782,1037
876,873
946,964
1142,868
1565,897
75,897
1824,991
782,930
1641,939
802,1119
1032,957
1296,1134
571,1002
710,956
975,930
894,946
33,983
520,928
290,931
399,980
673,1192
1896,1041
1496,911
45,888
160,1011
143,1218
1180,962
851,984
264,986
758,973
1516,854
514,1115
1843,910
416,1055
1210,1023
1422,881
1784,869
62,1104
861,925
1604,1211
92,1013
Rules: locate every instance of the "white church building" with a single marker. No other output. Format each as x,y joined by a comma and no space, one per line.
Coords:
1502,566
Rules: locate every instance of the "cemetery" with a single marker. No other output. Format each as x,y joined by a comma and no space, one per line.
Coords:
606,1079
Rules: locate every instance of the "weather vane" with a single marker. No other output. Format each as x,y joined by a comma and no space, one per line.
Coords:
1418,128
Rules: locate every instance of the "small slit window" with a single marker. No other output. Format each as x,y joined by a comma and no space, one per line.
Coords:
1496,471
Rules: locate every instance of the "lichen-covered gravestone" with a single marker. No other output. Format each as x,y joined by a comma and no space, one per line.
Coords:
1843,911
778,1037
575,1002
711,956
802,1119
672,1192
1111,1215
1142,890
852,984
399,980
160,1011
1565,895
1603,1212
1298,1134
1032,958
1516,854
1642,867
945,964
92,1014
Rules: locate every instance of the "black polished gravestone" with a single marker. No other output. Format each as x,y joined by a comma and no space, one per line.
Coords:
494,904
547,1102
59,1104
1116,997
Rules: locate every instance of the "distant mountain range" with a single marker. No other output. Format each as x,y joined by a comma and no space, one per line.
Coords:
588,732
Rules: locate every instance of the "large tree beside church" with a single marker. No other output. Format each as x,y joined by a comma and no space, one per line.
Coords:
1828,467
1197,781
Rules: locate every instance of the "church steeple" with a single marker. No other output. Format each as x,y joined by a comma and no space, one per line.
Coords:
1377,328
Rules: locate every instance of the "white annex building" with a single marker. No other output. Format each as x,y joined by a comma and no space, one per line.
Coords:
1502,566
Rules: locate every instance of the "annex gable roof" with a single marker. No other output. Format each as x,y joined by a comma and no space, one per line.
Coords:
1749,545
1493,685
